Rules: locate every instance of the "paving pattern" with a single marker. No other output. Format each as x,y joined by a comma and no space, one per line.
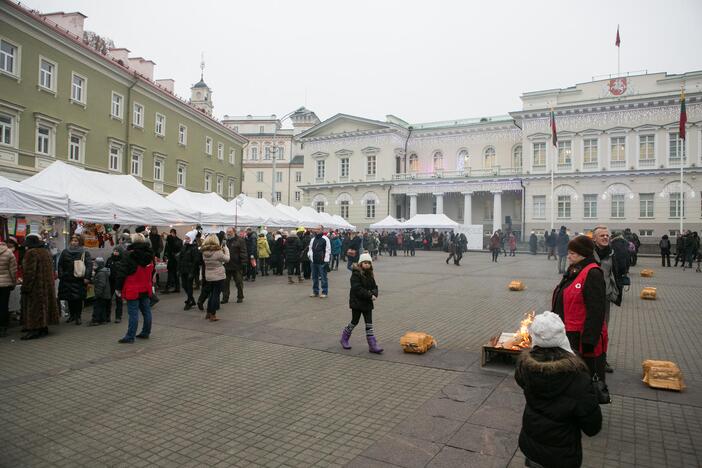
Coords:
268,385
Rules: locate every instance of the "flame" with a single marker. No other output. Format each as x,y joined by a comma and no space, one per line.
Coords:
521,337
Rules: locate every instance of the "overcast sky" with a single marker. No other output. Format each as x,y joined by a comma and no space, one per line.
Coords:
420,60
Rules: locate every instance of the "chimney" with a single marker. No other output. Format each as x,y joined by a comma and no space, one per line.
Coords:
73,22
143,66
120,54
167,83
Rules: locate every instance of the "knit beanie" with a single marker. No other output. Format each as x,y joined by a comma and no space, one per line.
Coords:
365,257
582,245
548,331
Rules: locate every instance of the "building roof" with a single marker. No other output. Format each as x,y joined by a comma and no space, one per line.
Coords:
298,159
462,122
200,84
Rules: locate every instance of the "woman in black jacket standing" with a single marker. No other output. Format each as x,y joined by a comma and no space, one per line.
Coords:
664,245
363,293
73,284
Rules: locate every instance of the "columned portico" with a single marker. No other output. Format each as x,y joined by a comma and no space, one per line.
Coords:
439,202
413,204
467,207
497,210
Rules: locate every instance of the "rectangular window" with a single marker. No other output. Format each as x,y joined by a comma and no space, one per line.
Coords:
539,154
539,203
115,161
297,195
43,139
78,85
138,115
220,185
208,182
6,126
158,169
647,150
321,168
260,129
344,209
267,153
564,154
617,152
676,149
617,206
181,175
371,166
564,206
370,208
254,153
590,206
298,176
135,164
47,74
646,232
319,207
278,196
208,146
232,156
75,144
117,100
344,169
590,150
259,194
8,58
646,205
675,205
259,176
182,134
220,151
279,176
279,152
160,127
232,189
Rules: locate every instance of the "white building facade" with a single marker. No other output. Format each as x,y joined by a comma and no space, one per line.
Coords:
617,162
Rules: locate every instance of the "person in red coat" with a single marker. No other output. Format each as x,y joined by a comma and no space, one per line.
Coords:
580,300
133,283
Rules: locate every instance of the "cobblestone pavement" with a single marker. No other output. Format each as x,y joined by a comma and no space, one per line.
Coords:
268,385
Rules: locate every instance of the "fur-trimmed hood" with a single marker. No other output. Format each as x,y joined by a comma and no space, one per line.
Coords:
548,371
210,248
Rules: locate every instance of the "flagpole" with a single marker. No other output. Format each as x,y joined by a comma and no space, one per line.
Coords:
681,147
552,164
619,50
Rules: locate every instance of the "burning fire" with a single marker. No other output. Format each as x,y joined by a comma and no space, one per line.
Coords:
521,337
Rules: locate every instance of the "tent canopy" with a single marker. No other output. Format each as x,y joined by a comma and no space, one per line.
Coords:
431,221
214,209
387,223
262,209
16,198
98,197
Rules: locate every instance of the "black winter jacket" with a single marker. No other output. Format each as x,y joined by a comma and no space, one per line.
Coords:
173,247
306,239
189,260
139,254
237,254
293,247
560,402
252,245
70,287
363,288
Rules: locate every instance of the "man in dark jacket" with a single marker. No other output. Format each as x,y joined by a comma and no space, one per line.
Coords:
189,263
562,249
634,239
305,262
533,243
680,249
550,243
238,259
252,252
293,248
560,402
319,253
355,246
170,254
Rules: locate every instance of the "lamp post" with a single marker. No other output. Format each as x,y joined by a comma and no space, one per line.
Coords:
275,156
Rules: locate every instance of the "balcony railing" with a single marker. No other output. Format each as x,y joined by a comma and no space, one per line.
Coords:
617,164
647,163
495,171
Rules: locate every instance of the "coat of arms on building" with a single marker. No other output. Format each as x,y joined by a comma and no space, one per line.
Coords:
617,86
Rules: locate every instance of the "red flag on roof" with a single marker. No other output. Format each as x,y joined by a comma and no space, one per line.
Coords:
554,137
683,116
618,41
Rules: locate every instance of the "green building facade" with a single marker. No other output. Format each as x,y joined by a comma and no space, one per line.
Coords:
62,99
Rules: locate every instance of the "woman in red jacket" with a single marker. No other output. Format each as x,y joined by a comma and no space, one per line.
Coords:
133,283
580,301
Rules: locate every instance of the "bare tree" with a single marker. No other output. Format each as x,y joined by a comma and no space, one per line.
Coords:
97,42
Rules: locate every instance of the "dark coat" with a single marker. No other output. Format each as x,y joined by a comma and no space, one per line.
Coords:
39,308
560,402
173,247
70,287
277,250
293,247
533,242
252,245
137,255
189,260
306,239
156,244
101,283
664,245
562,243
238,256
363,288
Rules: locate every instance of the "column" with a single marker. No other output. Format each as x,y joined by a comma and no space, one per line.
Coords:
439,202
413,204
467,207
496,210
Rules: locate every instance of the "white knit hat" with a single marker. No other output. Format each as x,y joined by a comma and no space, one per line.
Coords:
365,257
191,235
548,331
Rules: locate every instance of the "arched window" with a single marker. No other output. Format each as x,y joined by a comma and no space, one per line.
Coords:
438,161
413,163
462,160
517,157
489,157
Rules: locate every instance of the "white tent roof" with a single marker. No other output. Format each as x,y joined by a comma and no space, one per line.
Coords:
311,215
387,223
435,221
263,210
16,198
98,197
343,223
214,209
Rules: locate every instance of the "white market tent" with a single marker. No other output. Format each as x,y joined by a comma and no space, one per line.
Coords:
431,221
213,209
344,224
107,198
293,213
311,215
262,209
387,223
16,198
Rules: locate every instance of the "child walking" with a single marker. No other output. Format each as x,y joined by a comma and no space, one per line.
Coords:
103,293
364,291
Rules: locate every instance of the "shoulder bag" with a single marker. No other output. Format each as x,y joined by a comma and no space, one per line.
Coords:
79,267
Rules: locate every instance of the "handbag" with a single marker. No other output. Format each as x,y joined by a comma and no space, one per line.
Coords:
601,390
79,267
253,262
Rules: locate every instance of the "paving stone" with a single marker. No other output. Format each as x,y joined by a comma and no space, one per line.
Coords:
485,440
451,457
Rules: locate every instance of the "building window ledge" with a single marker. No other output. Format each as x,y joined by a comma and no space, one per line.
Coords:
46,90
119,119
10,75
78,103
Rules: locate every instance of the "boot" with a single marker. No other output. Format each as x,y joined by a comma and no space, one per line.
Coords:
345,335
300,279
373,345
290,280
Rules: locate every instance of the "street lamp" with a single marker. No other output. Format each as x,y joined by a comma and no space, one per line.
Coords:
275,155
